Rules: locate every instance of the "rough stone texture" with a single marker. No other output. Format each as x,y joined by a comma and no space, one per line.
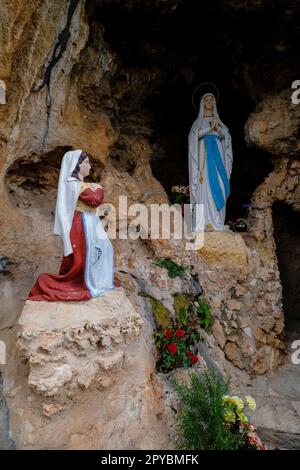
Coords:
30,33
54,105
274,125
86,378
221,246
241,281
67,103
76,344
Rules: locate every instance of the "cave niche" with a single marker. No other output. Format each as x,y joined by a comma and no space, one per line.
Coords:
163,39
31,182
287,238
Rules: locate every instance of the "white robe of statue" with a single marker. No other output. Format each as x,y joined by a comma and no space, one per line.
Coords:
210,165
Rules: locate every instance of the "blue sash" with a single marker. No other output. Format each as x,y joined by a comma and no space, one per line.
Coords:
214,166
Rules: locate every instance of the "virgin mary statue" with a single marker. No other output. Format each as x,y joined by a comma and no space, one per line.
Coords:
87,267
210,165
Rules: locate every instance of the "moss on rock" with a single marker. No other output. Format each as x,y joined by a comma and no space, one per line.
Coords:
181,301
161,314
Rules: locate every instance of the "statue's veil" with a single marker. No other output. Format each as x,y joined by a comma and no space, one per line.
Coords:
193,146
67,195
199,120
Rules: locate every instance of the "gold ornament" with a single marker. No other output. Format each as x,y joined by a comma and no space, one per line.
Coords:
202,84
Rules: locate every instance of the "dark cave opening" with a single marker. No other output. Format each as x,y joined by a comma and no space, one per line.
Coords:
31,182
287,238
250,166
192,42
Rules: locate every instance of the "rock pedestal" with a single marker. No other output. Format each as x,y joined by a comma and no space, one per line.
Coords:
224,249
78,344
80,377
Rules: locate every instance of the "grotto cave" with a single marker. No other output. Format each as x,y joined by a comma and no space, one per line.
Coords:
171,43
116,78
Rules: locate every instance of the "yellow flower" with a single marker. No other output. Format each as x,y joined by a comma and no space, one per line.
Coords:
238,402
226,398
250,402
243,418
229,416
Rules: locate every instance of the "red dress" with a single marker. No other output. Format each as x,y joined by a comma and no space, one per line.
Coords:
69,284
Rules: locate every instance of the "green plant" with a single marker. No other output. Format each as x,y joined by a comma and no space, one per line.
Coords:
179,198
238,421
175,349
200,422
210,419
183,317
176,345
160,312
180,194
205,315
181,300
174,269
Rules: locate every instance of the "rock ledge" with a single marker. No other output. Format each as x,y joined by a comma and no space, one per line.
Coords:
76,344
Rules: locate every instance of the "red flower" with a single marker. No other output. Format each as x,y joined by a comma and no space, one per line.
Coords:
172,348
168,334
180,333
188,353
193,358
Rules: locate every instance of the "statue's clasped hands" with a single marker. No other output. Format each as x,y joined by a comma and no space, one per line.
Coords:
215,126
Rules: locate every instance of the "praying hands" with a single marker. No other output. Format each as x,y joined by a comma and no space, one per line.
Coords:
215,126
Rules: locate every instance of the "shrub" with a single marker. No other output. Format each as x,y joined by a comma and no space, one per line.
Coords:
200,422
210,419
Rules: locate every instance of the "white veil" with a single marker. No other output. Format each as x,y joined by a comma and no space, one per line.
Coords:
193,142
67,195
198,122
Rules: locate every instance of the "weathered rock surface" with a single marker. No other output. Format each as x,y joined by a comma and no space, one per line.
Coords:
274,125
81,378
77,344
66,87
221,246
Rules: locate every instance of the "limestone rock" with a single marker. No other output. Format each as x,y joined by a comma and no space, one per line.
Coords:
69,344
274,125
225,250
89,376
50,410
219,333
232,352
